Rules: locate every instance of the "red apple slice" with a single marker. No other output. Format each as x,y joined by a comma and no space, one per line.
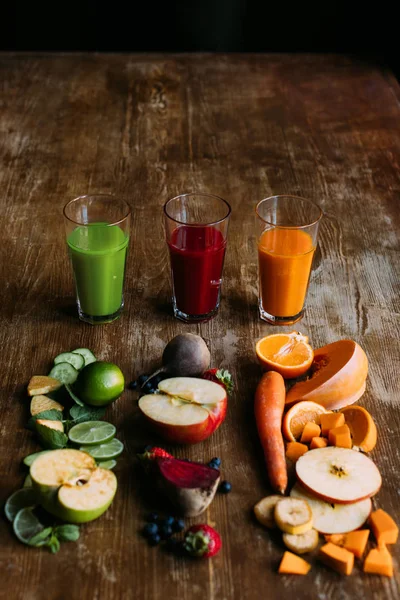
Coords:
187,411
334,518
338,475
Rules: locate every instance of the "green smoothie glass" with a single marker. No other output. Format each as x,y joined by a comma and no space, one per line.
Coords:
97,229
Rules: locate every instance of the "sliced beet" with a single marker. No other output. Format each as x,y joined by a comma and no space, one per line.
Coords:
187,474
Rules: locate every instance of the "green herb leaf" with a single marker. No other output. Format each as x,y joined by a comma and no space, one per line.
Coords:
80,414
40,538
74,396
53,544
51,438
67,533
51,415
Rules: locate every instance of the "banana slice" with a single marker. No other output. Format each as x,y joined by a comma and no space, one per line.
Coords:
293,515
305,542
264,511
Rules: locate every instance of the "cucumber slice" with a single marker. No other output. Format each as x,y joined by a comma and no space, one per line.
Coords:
64,372
76,360
87,354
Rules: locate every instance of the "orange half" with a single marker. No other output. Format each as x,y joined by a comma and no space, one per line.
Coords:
289,354
298,415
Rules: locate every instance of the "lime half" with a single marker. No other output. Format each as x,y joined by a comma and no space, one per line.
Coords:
26,525
105,451
17,500
107,464
92,433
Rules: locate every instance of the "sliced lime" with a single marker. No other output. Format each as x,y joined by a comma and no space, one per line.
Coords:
26,525
17,500
28,460
104,451
91,433
107,464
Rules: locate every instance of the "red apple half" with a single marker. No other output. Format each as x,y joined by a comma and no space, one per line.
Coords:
185,410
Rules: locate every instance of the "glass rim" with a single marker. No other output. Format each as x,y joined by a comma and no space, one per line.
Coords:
103,196
229,209
293,197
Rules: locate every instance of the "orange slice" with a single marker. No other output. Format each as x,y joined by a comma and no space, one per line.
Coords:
298,415
362,427
289,354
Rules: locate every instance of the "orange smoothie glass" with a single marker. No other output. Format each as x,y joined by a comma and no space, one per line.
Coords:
287,239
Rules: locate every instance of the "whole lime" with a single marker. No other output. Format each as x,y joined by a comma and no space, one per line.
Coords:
99,383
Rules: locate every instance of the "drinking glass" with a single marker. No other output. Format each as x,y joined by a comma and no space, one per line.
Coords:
287,228
97,229
196,228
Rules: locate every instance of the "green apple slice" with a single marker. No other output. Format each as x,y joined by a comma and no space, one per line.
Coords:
41,403
82,503
70,486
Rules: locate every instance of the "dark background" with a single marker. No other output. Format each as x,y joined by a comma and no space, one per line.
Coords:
368,31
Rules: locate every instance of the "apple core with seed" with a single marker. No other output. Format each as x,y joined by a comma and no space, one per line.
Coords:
70,486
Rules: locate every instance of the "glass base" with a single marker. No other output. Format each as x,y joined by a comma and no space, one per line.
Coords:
186,318
99,320
279,320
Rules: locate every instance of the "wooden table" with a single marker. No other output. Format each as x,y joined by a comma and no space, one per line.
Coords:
148,127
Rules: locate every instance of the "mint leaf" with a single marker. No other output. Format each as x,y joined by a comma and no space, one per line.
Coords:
80,414
51,415
53,544
40,538
74,396
51,438
67,533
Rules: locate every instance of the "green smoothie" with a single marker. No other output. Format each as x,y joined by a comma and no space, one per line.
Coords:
98,253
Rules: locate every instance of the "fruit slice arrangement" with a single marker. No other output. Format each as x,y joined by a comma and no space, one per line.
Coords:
334,481
71,478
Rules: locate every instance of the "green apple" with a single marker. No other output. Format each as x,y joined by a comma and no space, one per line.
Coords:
70,486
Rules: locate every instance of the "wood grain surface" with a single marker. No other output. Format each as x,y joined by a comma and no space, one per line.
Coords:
147,127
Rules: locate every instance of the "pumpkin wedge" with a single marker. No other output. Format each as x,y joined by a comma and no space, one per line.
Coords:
337,376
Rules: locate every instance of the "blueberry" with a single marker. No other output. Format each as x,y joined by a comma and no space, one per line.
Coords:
154,539
150,529
216,462
166,531
179,525
153,517
141,379
169,521
132,385
148,387
225,487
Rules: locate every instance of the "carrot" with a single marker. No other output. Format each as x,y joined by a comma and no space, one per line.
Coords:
268,407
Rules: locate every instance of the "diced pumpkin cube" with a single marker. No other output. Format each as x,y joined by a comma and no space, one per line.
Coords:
354,541
330,421
339,559
291,563
383,527
340,437
318,442
294,450
379,561
310,430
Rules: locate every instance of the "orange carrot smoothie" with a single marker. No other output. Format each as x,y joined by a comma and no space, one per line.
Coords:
285,258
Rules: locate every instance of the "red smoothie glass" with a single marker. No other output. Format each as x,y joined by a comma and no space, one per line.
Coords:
196,227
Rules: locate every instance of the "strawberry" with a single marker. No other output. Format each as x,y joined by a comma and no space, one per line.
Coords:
154,452
220,376
202,541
